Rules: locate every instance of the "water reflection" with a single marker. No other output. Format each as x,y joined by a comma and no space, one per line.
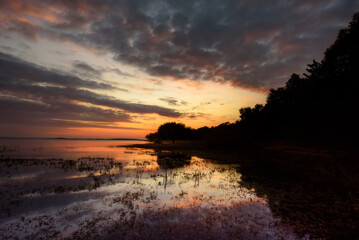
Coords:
113,193
320,198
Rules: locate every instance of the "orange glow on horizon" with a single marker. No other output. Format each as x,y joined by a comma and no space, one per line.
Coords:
91,132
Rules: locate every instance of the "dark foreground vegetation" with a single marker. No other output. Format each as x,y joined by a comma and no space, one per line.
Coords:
316,109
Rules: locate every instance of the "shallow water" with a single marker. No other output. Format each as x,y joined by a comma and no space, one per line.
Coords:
75,189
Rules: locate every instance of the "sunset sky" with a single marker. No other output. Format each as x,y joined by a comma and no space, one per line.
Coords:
121,68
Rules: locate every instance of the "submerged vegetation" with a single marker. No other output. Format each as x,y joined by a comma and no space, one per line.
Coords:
160,194
259,194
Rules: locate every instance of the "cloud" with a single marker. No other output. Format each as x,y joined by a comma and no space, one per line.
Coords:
30,94
173,102
24,46
96,72
87,69
23,111
26,118
14,68
250,44
119,72
197,115
8,49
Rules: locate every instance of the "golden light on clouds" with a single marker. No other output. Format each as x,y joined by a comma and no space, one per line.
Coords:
117,69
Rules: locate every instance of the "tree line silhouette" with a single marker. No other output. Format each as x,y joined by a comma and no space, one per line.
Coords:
322,104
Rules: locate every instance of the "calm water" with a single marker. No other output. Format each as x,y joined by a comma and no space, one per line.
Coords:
58,189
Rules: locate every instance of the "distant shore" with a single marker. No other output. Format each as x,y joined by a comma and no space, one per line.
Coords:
168,145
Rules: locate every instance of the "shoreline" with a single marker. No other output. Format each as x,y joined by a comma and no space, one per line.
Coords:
290,149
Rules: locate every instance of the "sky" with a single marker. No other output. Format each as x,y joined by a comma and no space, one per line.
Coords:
108,69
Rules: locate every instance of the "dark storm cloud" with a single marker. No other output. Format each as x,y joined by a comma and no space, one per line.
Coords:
252,44
33,94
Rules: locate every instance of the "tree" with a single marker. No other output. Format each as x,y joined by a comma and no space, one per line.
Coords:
172,131
248,113
152,136
321,103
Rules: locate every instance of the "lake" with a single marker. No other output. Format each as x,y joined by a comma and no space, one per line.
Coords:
98,189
